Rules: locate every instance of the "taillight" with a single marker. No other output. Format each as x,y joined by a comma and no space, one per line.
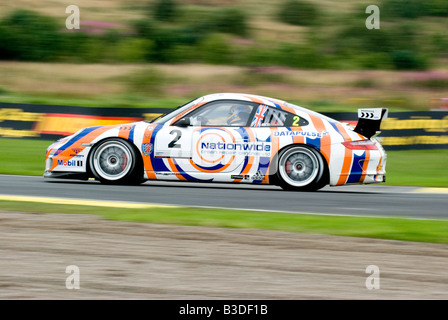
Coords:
360,145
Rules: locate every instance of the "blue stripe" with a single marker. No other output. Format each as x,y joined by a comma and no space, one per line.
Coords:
356,169
246,161
157,163
276,105
336,128
131,134
216,167
263,166
80,135
315,142
187,176
243,133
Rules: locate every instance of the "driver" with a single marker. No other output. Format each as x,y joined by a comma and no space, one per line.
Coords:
238,115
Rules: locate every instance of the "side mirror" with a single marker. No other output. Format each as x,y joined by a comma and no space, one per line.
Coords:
183,122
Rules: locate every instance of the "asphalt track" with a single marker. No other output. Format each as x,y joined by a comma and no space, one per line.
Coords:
358,200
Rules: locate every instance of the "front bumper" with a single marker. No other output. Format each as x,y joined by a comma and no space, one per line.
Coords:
66,175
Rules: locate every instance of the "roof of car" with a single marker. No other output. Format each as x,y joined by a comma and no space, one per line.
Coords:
274,102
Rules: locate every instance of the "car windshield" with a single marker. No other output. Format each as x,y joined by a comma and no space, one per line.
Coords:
163,118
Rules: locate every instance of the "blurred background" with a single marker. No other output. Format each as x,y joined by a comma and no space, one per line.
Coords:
162,53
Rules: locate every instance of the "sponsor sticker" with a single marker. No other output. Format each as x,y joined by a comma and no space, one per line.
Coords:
70,163
258,176
300,133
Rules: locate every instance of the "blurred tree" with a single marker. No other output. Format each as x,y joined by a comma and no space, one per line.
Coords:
145,28
132,50
408,59
26,35
216,49
298,12
147,81
164,10
403,9
414,8
437,8
231,20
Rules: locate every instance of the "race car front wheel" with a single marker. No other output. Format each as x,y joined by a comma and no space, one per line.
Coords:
301,168
115,161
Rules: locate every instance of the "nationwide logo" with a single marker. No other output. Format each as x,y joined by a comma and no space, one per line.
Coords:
147,149
245,146
70,163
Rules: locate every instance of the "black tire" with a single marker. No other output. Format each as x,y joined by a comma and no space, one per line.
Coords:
116,161
301,168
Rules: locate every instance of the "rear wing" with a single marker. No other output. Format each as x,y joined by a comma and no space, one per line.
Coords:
369,121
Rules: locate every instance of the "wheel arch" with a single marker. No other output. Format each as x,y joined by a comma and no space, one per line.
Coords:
273,166
131,143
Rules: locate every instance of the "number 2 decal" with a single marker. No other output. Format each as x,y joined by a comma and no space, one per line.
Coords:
173,143
296,121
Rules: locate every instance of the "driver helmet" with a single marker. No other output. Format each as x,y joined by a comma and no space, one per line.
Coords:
238,115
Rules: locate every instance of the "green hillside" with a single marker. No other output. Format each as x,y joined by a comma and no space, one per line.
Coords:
315,52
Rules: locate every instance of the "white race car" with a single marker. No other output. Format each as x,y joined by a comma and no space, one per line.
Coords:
228,137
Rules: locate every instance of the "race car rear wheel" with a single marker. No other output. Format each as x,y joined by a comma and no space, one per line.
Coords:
300,168
115,161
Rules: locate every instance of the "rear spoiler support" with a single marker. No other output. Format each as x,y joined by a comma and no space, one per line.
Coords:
369,121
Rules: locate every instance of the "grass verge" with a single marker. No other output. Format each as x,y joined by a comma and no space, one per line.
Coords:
417,168
426,168
380,228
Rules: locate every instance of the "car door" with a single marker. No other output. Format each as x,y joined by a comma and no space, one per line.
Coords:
173,142
218,137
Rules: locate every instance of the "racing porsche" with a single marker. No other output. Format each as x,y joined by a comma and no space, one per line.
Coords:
228,137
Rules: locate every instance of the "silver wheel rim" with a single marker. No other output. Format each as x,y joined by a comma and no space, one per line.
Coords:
112,160
299,166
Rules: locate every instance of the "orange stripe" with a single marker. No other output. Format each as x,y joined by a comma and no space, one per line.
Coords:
174,169
345,167
365,165
380,164
125,130
254,99
343,132
298,139
361,136
325,141
147,163
180,115
280,103
289,109
212,171
88,138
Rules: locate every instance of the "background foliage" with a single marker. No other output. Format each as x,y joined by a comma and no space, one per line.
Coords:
174,32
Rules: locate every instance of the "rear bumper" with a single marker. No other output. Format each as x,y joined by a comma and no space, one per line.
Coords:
374,178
